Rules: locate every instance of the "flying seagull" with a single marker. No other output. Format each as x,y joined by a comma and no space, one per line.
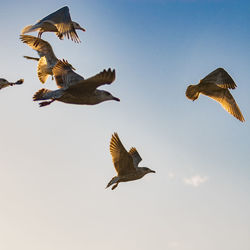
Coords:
74,89
4,83
59,22
215,85
47,59
126,163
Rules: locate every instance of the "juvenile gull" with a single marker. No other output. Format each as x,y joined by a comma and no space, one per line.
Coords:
47,59
4,83
74,89
215,85
59,22
126,163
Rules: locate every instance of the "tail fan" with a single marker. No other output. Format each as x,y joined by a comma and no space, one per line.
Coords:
192,92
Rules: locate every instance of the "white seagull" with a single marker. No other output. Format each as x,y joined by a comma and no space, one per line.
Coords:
74,89
125,163
59,22
215,85
47,59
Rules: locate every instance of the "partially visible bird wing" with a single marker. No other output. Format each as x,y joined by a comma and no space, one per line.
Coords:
62,20
90,84
42,47
228,103
122,160
64,75
135,155
221,78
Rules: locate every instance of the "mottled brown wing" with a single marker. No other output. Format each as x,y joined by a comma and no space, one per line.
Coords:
64,74
62,20
135,155
228,103
122,160
90,84
221,78
42,47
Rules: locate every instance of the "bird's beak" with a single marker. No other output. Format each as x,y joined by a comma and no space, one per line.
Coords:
152,171
116,99
82,29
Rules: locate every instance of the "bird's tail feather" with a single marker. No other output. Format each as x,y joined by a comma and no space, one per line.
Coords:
192,92
28,29
41,94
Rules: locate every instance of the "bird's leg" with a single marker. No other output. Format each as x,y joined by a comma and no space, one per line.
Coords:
42,104
38,36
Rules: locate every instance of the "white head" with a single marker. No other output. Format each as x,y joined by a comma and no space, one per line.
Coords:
147,170
105,96
77,26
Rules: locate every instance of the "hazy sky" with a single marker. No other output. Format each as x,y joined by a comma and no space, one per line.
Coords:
55,161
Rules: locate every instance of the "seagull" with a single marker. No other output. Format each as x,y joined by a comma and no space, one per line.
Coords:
74,89
215,85
4,83
59,22
47,59
126,163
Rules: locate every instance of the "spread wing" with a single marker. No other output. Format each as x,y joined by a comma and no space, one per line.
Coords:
64,74
42,47
135,155
122,160
221,78
90,84
228,103
62,20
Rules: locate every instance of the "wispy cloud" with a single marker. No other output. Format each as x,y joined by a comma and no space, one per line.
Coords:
171,175
173,244
195,180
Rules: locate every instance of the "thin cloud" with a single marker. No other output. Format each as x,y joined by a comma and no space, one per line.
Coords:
195,180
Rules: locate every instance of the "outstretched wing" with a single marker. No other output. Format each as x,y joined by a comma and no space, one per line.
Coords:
135,155
90,84
228,103
42,47
64,74
122,160
62,20
221,78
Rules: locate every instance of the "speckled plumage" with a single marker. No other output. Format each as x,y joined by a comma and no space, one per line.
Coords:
74,89
215,85
59,22
125,163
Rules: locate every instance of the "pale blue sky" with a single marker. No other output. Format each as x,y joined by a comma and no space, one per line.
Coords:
55,161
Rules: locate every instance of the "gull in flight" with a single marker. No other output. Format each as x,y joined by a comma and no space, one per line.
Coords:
47,59
126,163
59,22
74,89
4,83
215,85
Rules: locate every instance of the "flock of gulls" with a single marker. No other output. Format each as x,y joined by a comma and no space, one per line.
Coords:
75,89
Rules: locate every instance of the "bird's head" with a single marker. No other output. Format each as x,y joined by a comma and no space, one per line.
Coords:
106,96
147,170
77,26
